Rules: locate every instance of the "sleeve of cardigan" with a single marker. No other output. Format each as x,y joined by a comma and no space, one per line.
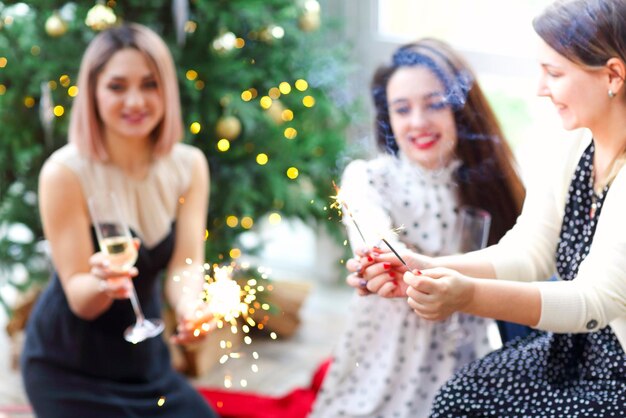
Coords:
597,295
369,209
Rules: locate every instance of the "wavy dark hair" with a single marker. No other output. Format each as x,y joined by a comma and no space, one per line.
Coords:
487,176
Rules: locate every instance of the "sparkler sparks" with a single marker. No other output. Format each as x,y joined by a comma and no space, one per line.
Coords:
340,204
230,294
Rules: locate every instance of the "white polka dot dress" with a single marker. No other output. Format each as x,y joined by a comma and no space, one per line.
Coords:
389,363
549,374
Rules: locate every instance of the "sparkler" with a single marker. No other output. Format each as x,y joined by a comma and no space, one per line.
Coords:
394,231
395,252
223,295
232,303
340,204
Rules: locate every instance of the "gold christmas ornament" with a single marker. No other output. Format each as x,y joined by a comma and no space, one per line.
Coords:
100,17
275,112
55,25
310,21
228,127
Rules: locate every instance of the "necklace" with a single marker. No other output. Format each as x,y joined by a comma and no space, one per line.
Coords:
594,205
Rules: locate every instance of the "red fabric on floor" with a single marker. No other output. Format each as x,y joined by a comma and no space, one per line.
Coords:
296,404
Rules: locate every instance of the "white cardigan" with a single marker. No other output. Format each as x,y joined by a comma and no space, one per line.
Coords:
597,295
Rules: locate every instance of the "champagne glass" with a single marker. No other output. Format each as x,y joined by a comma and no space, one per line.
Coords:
471,233
117,244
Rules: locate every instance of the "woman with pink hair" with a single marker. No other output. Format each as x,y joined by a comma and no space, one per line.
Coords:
124,132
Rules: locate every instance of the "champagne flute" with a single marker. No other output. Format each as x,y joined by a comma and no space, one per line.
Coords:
471,233
117,244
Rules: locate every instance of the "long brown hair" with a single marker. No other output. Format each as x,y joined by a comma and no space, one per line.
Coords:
487,177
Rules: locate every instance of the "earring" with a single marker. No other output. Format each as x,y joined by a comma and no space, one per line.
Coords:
611,94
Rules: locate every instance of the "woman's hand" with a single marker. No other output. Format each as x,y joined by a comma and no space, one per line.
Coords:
436,293
380,271
116,284
194,324
370,275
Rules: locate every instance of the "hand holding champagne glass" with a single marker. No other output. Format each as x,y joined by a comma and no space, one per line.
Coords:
116,243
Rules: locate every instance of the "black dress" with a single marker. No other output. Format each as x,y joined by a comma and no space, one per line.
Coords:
78,368
549,374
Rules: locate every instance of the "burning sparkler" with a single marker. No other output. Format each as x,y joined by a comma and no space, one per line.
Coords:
394,231
230,294
340,204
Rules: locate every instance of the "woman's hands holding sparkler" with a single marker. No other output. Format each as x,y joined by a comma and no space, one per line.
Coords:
195,321
377,270
434,293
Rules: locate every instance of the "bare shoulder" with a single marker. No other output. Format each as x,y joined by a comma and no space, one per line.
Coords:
200,163
191,157
58,184
195,153
57,175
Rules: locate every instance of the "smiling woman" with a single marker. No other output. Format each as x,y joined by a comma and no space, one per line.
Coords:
421,117
128,98
504,64
444,148
559,80
575,364
149,76
124,132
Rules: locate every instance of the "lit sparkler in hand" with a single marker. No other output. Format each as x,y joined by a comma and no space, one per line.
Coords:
340,204
224,295
384,239
232,302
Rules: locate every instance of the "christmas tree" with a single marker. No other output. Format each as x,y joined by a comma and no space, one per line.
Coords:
262,94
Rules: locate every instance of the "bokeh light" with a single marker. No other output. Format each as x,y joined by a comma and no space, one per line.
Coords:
195,128
290,133
292,173
274,218
247,222
308,101
284,87
262,159
223,145
302,85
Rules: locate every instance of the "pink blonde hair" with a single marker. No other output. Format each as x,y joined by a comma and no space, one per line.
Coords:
85,130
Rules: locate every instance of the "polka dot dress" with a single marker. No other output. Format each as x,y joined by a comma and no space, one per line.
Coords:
389,362
548,374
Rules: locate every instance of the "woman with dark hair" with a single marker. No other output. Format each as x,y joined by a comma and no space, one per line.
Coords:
124,138
444,149
486,177
573,225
